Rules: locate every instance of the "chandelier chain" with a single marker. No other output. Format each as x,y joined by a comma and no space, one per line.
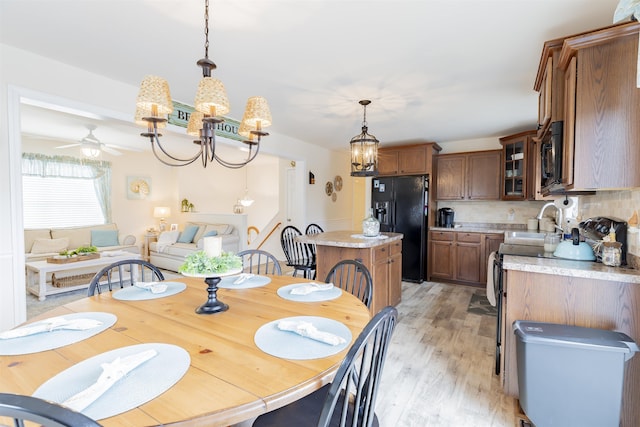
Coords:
206,29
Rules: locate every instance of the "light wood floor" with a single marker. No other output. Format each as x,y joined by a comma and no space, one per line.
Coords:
440,366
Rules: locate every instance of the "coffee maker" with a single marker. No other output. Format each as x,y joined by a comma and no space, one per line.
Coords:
595,229
445,217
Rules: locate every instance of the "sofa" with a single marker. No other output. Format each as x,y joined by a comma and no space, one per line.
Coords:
173,246
42,243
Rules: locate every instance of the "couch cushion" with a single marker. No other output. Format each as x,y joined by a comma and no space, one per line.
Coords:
30,235
102,238
188,233
80,236
43,246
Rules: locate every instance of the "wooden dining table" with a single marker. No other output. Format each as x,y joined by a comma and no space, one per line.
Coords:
229,379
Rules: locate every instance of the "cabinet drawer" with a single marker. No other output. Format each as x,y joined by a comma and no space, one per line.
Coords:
395,248
446,236
380,253
469,237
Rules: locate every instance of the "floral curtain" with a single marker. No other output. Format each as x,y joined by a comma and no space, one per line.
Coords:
98,171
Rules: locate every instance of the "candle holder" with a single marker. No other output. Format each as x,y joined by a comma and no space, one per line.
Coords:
213,304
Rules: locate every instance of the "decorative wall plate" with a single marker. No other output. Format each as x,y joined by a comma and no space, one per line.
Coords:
334,197
328,188
337,183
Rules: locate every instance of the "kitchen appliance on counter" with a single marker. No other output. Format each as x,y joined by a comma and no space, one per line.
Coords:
574,249
595,229
400,204
446,217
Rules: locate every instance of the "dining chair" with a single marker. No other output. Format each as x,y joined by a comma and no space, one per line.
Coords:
257,261
20,408
354,277
349,400
313,229
124,272
299,255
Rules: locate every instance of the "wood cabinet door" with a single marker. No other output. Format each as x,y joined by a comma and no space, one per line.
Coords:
468,262
395,279
413,161
388,162
450,177
568,127
483,175
491,243
441,259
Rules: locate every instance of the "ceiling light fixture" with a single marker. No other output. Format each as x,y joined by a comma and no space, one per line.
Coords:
246,201
364,149
91,150
211,103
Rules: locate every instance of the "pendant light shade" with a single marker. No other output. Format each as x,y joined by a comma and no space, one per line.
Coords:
154,96
211,97
364,150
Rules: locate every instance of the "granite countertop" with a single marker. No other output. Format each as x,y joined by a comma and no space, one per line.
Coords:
348,239
480,227
570,268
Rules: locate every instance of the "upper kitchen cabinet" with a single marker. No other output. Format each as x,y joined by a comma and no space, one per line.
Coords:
518,170
549,84
413,159
469,176
601,109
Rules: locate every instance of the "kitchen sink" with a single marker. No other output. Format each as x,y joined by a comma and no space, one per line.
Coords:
524,238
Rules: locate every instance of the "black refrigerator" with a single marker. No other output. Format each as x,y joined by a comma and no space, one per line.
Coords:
400,204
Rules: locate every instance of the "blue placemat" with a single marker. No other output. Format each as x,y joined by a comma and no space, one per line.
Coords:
58,338
289,345
252,282
141,385
316,296
133,293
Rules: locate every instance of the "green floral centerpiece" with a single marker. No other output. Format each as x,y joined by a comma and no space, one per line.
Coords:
200,263
82,250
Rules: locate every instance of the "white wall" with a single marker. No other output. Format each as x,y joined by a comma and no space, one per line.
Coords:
23,74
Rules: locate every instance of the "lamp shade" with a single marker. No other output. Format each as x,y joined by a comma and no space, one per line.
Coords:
195,123
154,96
142,112
257,114
211,97
364,154
161,212
245,130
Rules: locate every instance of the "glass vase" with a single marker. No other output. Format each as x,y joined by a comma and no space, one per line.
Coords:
370,225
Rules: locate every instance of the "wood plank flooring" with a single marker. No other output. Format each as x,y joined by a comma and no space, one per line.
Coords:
440,366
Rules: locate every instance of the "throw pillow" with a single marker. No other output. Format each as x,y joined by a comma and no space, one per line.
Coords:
168,237
101,238
44,246
210,233
187,234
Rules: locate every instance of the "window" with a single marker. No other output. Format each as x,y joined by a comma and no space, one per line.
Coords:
62,191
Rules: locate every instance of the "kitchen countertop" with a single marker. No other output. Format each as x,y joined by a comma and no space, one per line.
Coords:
482,228
569,268
346,239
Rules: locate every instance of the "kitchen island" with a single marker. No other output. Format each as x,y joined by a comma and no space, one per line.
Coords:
580,293
382,255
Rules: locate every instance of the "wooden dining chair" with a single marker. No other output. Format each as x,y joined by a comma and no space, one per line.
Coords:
257,261
299,255
19,408
349,400
354,277
313,229
124,273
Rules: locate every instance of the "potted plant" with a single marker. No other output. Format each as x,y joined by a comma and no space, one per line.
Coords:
185,205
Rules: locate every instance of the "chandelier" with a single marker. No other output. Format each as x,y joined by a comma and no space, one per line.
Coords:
364,149
211,103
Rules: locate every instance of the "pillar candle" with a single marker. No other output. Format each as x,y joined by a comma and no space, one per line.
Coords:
213,246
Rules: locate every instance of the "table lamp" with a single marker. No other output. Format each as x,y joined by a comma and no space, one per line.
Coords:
162,212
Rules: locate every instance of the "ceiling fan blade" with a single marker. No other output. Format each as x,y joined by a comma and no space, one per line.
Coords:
69,145
111,151
120,147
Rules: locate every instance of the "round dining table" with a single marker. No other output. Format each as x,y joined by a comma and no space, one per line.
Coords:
229,379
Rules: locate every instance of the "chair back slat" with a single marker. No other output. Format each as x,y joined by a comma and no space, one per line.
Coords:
127,273
20,408
353,277
257,261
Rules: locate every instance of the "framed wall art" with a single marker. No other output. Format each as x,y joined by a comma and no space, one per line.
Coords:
138,187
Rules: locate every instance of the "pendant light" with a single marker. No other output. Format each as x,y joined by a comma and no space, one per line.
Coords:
364,149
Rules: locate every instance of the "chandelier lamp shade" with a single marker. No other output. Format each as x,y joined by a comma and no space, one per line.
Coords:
364,149
211,103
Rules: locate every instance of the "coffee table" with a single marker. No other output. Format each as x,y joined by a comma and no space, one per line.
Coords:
37,273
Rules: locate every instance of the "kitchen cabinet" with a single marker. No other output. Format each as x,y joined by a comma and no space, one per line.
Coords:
572,299
461,256
549,84
413,159
469,176
518,171
387,265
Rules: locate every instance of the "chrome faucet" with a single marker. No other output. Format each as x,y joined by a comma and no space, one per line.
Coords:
559,214
544,208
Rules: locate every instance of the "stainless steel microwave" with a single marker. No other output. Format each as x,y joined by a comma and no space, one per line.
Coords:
551,153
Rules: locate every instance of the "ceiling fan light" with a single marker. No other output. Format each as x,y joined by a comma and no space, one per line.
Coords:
257,114
211,97
195,123
154,96
91,151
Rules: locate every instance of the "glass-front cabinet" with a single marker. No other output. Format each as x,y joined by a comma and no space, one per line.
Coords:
517,165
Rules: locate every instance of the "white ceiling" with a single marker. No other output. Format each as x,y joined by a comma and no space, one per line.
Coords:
438,70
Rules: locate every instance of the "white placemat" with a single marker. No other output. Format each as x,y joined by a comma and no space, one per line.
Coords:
316,296
289,345
252,282
133,293
58,338
139,386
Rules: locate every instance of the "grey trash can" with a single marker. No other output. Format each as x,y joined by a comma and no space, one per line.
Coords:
569,375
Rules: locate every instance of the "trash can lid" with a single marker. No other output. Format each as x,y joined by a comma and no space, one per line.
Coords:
574,336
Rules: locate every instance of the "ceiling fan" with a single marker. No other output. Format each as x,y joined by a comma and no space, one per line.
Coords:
92,146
